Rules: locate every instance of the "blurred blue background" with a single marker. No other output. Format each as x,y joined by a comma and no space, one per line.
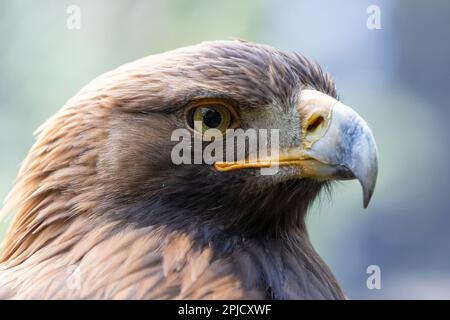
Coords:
396,77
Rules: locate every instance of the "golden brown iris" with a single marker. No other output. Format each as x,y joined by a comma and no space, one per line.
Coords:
207,114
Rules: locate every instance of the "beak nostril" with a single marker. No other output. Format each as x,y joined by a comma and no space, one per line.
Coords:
314,124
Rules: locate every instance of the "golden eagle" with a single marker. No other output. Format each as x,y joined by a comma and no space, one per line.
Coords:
102,211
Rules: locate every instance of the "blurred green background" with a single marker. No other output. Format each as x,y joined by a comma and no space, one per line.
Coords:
397,78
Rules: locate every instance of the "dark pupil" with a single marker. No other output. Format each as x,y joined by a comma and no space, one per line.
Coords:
211,118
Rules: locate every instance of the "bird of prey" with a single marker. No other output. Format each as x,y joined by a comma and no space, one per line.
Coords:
102,211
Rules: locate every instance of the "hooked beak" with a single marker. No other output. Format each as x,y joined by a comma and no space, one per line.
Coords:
337,144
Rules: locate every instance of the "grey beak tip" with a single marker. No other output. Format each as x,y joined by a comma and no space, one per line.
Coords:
368,191
366,201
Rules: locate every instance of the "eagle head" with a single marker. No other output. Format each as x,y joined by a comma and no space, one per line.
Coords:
107,157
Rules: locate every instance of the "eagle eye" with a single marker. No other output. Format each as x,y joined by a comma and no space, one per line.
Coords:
210,114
